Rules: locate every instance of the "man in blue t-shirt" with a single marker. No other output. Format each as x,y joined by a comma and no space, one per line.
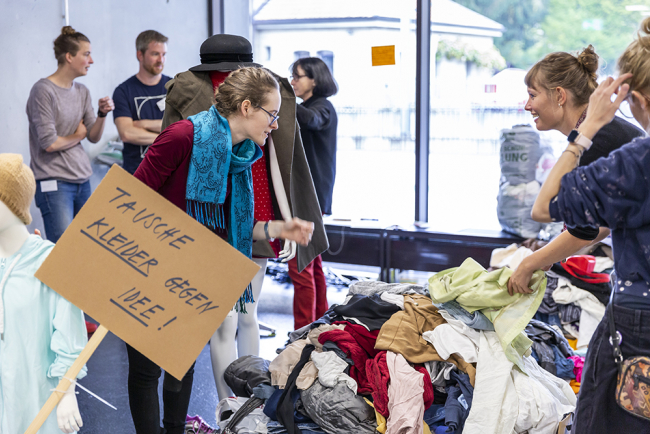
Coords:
140,100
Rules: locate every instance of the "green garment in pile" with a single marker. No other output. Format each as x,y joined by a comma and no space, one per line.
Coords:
474,289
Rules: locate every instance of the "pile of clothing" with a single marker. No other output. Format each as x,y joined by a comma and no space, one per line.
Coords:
452,356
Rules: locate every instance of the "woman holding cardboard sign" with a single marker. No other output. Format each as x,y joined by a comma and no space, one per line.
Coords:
203,166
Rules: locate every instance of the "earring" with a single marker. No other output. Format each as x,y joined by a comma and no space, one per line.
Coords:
559,105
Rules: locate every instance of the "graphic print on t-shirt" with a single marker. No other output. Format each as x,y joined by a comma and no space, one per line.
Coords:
139,102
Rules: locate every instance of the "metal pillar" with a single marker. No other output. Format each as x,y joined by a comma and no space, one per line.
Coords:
422,80
215,17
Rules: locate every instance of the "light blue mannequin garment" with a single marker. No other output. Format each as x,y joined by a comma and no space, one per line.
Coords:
43,335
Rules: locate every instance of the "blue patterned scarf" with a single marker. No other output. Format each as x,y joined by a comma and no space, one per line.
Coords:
213,159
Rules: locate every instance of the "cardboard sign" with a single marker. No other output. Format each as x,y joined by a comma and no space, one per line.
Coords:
147,271
384,55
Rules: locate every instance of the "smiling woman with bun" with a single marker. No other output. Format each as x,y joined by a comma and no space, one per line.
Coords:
559,87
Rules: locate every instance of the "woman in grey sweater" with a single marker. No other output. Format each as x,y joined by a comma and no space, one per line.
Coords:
60,115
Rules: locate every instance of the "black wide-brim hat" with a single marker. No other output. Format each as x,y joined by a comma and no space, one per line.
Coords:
225,53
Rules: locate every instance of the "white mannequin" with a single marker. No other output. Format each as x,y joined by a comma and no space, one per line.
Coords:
222,344
13,234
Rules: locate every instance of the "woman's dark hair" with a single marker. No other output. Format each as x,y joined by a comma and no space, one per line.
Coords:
68,42
575,73
316,69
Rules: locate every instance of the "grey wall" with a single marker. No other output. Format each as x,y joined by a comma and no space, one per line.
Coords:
111,26
28,28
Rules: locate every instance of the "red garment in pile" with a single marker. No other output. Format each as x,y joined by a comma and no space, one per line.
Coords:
370,370
363,336
348,344
378,377
263,208
427,395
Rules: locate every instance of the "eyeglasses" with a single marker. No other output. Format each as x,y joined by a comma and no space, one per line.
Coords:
274,118
626,110
297,77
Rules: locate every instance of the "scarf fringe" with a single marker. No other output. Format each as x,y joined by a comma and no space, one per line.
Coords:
208,214
247,297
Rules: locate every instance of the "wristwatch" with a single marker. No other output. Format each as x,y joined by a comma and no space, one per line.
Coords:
266,231
576,137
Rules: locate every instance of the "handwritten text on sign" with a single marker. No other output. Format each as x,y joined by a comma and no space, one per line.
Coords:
148,272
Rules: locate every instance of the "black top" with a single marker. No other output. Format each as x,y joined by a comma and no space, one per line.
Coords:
318,122
612,136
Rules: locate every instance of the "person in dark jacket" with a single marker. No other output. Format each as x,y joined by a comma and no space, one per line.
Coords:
613,192
559,87
312,81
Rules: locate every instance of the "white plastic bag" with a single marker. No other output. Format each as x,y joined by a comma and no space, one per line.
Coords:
519,153
514,204
255,422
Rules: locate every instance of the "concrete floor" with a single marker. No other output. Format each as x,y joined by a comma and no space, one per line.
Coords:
108,367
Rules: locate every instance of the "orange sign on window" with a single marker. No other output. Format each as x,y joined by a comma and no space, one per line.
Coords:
383,55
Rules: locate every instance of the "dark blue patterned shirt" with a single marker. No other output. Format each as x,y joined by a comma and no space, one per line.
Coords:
615,192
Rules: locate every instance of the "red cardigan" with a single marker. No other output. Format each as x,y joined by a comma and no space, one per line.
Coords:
167,162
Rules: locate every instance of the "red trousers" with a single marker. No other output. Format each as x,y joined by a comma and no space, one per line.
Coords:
309,292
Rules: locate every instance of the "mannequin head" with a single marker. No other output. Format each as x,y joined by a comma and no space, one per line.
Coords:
17,189
8,219
17,186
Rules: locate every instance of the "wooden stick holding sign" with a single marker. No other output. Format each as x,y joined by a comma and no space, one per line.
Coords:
74,370
147,272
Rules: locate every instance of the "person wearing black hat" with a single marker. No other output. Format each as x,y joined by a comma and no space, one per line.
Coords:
289,193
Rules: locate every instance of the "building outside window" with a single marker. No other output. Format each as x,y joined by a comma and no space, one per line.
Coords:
328,58
479,56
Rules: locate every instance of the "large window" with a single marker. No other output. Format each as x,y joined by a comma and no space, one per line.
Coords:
375,156
480,52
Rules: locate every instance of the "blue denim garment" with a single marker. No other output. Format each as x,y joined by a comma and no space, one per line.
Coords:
475,320
435,416
597,410
563,365
465,386
455,411
264,391
59,207
550,319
